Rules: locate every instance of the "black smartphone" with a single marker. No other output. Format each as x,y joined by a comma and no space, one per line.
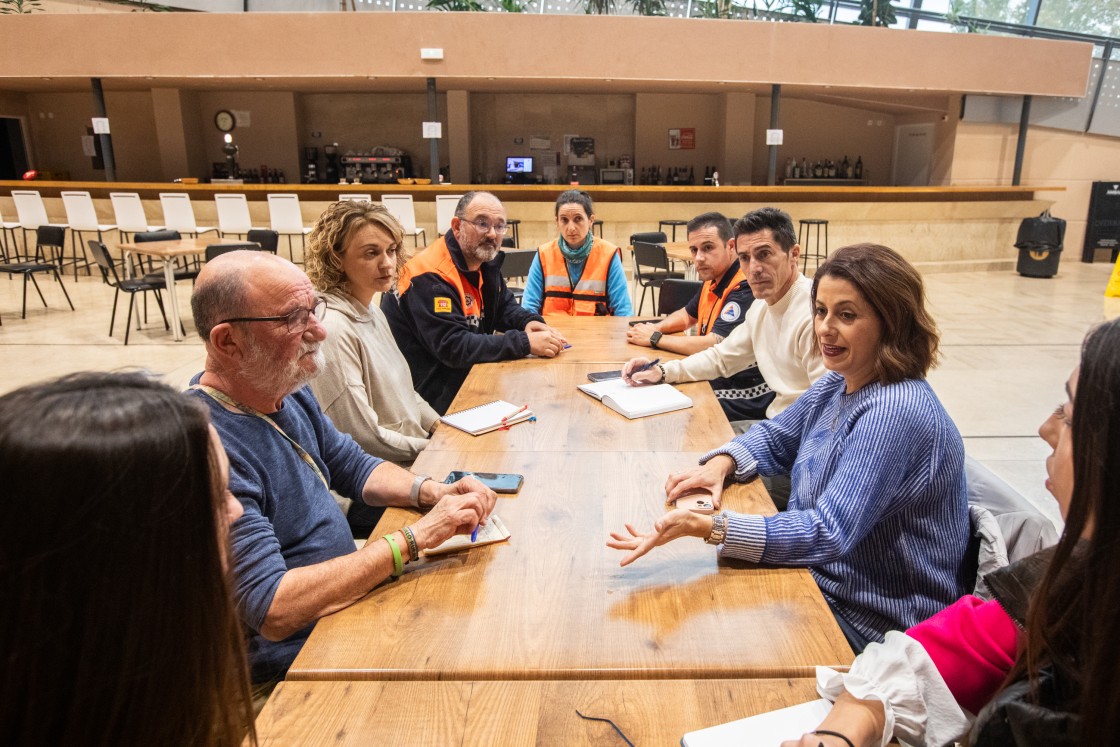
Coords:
632,322
604,375
499,482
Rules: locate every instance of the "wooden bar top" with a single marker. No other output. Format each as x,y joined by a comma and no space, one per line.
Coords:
552,602
514,714
549,192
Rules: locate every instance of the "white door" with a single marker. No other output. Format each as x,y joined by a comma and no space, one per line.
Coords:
913,152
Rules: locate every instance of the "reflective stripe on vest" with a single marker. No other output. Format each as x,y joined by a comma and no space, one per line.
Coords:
710,306
589,296
437,259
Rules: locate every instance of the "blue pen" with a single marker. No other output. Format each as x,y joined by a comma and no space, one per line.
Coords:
646,367
474,534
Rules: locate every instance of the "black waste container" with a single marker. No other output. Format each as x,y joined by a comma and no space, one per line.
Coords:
1040,246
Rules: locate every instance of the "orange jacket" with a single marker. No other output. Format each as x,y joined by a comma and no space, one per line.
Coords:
589,296
711,305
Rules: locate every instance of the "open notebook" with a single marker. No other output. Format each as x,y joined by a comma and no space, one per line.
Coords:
492,531
488,417
637,401
764,730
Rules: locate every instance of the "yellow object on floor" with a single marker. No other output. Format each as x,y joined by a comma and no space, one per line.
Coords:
1113,289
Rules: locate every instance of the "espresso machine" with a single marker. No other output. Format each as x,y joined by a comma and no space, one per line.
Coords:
331,172
310,165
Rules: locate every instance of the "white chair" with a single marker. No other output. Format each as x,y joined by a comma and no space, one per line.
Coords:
32,213
355,198
178,214
82,217
402,208
128,211
8,228
445,211
286,219
233,215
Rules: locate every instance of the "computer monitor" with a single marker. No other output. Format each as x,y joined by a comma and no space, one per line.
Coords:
519,165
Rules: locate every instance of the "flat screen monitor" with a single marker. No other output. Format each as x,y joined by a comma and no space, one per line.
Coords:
519,165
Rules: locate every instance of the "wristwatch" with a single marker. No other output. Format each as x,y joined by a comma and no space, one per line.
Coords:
414,492
654,339
719,529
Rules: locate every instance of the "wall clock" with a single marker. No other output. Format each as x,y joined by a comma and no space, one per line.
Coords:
224,120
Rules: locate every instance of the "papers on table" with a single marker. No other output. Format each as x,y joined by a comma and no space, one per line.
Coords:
637,401
488,417
764,730
492,531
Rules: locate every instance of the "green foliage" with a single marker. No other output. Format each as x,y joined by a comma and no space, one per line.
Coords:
19,7
511,6
881,9
805,10
454,5
640,7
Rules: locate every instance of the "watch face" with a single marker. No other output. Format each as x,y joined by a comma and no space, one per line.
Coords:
224,121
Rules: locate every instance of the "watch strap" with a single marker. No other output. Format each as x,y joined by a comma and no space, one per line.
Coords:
655,338
414,491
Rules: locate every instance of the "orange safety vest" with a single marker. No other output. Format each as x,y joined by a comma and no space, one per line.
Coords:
711,305
588,297
437,259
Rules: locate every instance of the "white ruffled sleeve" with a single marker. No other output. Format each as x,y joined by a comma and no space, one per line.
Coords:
919,708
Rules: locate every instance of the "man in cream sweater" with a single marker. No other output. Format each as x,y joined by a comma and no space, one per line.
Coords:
777,334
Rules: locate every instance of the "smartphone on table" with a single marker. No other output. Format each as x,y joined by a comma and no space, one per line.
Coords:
499,482
604,375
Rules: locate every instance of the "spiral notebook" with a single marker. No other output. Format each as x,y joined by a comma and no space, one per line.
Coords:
488,417
637,401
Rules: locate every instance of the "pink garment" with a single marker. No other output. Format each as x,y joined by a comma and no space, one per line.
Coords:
973,644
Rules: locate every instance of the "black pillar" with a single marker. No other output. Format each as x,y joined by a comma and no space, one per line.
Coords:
1024,122
433,143
106,138
775,110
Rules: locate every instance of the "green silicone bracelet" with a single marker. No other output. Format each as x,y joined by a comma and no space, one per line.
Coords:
398,564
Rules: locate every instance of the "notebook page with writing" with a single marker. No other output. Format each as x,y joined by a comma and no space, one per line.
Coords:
492,531
764,730
637,401
488,417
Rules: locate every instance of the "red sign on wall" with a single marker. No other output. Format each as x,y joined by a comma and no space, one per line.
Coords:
688,138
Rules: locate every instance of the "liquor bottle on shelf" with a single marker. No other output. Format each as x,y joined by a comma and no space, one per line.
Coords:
691,174
805,173
846,167
789,168
859,168
831,170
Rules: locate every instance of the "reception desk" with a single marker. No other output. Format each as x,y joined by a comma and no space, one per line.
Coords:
937,228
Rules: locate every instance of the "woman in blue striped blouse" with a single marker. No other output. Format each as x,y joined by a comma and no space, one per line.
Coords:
878,510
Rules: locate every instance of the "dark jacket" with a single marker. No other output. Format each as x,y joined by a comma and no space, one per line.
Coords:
439,341
1012,718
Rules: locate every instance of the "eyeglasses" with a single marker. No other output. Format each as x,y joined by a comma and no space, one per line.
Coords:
297,319
485,226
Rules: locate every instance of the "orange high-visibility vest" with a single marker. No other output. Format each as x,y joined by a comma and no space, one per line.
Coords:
589,296
437,259
711,305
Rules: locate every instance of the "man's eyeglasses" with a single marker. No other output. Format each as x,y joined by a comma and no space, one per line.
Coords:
297,319
485,226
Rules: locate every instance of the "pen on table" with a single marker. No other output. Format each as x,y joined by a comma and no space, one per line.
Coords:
518,411
474,534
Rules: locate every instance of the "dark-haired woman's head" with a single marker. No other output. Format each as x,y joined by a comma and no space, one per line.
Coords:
117,624
574,215
870,316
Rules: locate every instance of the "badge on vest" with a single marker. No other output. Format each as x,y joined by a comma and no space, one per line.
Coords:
442,305
731,312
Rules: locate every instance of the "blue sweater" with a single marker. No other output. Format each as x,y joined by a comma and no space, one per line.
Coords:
878,509
618,291
291,520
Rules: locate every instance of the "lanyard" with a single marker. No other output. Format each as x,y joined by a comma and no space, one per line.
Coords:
227,400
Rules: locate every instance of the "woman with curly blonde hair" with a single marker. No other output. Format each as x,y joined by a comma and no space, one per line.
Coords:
353,253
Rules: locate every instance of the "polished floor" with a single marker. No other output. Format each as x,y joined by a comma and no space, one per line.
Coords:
1008,345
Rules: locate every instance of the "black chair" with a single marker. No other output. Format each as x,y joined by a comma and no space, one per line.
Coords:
655,261
131,286
217,250
675,294
649,237
29,266
516,265
268,239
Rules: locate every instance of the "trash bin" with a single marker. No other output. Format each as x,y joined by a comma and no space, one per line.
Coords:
1040,246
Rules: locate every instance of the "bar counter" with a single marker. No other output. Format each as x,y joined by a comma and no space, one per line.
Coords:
938,228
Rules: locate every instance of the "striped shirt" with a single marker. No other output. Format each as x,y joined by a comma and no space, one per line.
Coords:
878,509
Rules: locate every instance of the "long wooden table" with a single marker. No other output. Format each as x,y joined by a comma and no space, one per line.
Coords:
600,339
513,714
552,602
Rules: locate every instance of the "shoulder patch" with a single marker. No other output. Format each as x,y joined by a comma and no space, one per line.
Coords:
442,305
731,312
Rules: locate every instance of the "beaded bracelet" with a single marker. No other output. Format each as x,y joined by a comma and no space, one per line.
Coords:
411,539
398,565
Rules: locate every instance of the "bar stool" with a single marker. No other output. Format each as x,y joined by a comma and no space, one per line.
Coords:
513,225
805,231
671,223
597,225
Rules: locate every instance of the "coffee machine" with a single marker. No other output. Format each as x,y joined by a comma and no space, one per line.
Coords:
331,172
310,165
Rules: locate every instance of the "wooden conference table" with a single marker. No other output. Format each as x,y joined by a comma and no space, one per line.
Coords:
168,251
552,603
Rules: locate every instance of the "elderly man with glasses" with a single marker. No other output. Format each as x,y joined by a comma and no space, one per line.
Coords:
293,555
452,299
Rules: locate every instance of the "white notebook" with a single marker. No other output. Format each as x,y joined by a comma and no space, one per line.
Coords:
492,531
637,401
488,417
764,730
